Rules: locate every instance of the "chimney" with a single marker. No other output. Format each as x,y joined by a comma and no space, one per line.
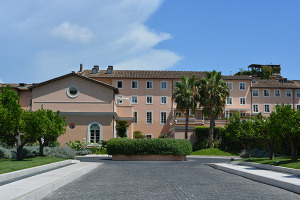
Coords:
95,69
80,70
109,70
22,84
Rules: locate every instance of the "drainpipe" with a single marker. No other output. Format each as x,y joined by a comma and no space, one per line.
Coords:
113,131
294,94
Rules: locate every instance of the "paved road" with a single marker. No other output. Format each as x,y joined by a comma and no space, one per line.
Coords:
165,180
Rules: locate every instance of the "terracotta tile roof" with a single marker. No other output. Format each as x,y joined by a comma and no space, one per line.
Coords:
275,84
78,75
145,74
16,86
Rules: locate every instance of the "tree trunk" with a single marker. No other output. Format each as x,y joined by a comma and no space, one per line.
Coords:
211,129
186,123
294,143
41,150
269,144
19,147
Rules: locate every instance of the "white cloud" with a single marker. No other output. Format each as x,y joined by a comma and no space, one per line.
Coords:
72,32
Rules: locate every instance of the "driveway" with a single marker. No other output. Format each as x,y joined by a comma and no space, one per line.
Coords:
165,180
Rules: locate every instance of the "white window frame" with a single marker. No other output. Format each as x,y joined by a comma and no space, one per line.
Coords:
137,99
253,110
147,99
240,85
89,132
265,108
231,101
245,101
286,93
72,96
147,85
137,117
151,136
149,111
137,84
161,97
264,92
120,102
275,92
161,117
231,84
242,113
298,92
161,85
121,82
257,92
297,106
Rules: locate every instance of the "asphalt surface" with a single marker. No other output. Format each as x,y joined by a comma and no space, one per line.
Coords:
165,180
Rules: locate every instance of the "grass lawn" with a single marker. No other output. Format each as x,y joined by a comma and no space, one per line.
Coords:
283,162
213,152
7,165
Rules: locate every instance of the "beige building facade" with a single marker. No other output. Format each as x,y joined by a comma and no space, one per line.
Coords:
94,100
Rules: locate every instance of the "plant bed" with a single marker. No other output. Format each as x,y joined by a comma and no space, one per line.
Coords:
153,149
120,157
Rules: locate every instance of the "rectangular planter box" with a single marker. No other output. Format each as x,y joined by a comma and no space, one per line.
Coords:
121,157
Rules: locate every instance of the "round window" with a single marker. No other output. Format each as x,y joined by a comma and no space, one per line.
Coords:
71,125
73,91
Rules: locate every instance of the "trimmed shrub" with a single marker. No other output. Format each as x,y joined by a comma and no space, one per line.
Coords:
83,152
60,152
5,153
138,135
157,146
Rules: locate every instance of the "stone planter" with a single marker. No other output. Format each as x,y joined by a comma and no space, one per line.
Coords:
120,157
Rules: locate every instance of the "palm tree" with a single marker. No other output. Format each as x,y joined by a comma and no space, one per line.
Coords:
213,91
186,96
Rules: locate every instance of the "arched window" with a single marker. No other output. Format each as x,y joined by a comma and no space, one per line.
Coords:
94,134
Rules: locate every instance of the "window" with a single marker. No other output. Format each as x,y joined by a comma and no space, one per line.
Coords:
242,86
242,100
267,108
73,91
149,117
179,114
288,93
242,114
229,101
163,85
229,84
94,133
266,93
255,108
71,125
148,136
134,99
135,116
163,100
120,84
298,93
163,118
149,99
134,85
255,92
149,84
277,93
298,106
119,99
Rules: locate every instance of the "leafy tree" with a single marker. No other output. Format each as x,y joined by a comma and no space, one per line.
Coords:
13,120
186,96
241,131
213,91
262,127
122,129
138,135
266,72
285,121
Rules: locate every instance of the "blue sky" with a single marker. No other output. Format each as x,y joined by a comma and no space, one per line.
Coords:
41,40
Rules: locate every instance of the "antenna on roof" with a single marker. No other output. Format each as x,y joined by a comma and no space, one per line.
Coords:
230,73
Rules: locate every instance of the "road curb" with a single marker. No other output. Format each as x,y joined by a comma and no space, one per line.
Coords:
270,181
25,172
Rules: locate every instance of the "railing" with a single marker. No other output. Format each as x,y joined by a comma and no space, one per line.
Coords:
180,121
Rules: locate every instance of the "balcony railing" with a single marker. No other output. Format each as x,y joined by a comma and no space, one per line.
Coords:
180,121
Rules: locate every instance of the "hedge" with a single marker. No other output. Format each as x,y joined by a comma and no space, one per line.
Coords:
157,146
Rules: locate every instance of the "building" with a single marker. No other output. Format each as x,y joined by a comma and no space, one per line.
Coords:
93,100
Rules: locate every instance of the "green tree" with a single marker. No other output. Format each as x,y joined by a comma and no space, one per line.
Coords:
241,131
213,91
122,129
266,72
284,121
13,120
262,127
138,135
186,96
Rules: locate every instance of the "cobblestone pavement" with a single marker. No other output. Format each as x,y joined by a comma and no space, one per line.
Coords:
165,180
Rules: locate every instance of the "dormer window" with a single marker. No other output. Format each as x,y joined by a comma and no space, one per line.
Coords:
73,91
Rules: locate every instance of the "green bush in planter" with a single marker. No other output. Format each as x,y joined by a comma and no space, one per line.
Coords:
157,146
